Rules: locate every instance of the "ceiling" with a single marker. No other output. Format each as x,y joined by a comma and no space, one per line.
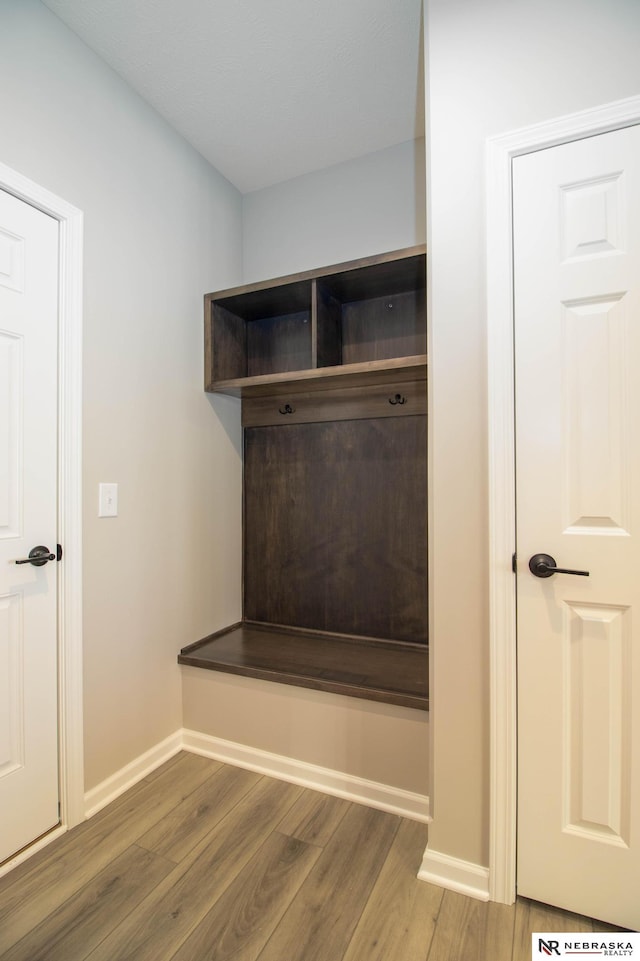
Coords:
267,90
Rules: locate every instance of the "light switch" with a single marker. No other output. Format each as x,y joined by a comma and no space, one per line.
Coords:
107,500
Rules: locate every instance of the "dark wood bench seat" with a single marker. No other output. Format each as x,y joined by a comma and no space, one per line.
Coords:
394,672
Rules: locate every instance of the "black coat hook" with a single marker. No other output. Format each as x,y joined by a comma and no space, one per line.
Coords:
287,409
398,399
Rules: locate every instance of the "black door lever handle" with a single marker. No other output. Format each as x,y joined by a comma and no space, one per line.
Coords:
38,556
544,565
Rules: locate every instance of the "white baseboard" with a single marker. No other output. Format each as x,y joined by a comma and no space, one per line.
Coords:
384,797
108,790
465,877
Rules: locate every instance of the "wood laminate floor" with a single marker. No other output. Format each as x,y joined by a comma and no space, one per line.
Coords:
206,862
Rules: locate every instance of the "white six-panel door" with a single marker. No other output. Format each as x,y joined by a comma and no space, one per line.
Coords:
577,336
28,505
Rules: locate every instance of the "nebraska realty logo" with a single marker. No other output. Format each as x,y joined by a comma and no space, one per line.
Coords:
623,945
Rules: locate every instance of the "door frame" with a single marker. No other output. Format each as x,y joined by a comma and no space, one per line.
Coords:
70,717
500,152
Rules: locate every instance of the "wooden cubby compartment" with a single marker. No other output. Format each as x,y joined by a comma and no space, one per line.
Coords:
331,368
260,332
363,322
372,313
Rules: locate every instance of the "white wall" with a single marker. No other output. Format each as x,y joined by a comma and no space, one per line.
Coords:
493,66
382,743
364,206
161,229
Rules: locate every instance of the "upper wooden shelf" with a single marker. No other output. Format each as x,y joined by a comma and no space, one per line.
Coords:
354,324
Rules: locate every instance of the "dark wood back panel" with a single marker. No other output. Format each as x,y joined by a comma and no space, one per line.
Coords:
348,403
335,520
380,328
277,344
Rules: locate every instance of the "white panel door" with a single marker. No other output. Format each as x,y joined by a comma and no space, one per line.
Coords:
28,505
577,320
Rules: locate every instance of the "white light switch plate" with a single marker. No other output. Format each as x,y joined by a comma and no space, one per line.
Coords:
107,500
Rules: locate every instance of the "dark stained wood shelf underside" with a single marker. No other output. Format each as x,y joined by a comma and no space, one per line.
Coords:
389,671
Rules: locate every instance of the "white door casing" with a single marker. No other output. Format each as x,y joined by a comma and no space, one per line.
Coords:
69,501
577,351
500,154
28,517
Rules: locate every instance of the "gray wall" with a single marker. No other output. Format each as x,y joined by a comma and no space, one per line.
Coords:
161,228
350,210
493,66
